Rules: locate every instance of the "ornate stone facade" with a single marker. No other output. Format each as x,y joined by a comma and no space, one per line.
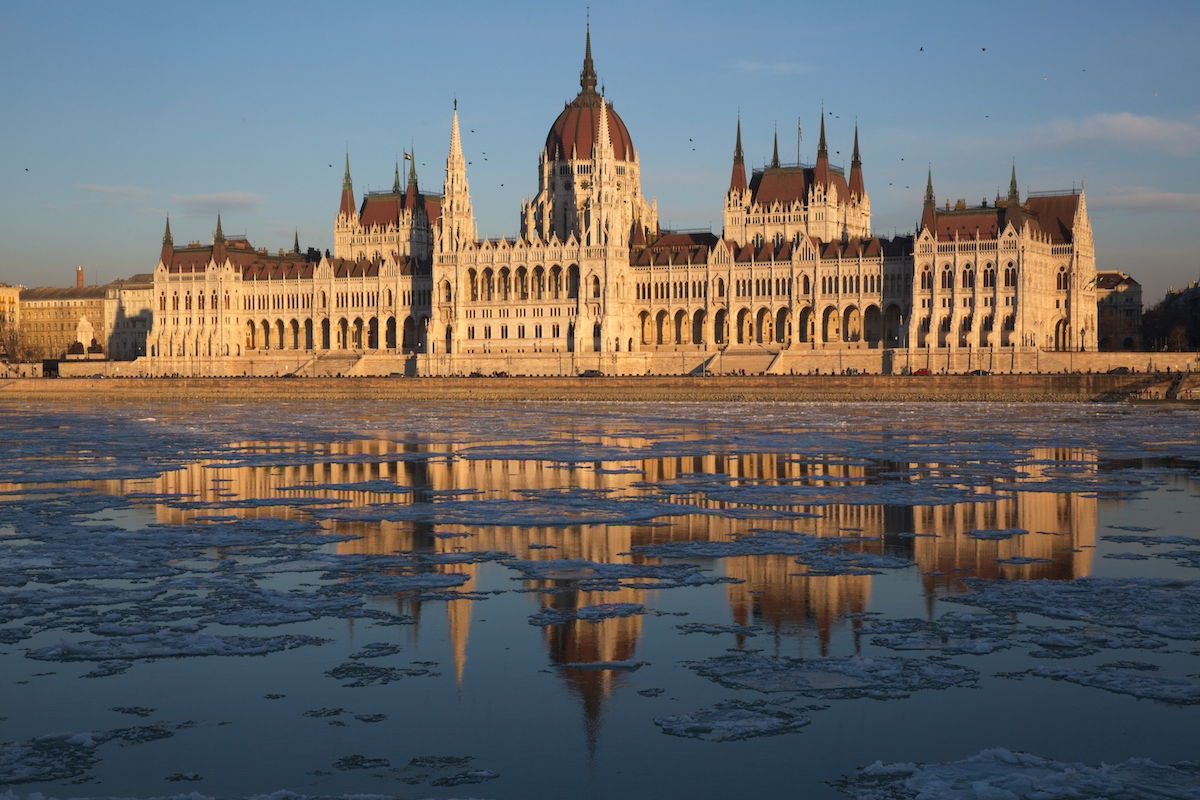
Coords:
795,282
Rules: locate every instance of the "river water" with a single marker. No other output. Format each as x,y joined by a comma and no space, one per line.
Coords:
592,601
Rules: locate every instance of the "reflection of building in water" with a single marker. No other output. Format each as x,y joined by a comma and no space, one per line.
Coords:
721,495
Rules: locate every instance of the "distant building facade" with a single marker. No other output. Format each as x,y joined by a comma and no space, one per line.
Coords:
1119,309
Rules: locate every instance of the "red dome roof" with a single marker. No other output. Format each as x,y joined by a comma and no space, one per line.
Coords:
575,131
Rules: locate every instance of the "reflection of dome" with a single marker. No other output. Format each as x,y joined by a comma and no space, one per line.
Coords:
574,132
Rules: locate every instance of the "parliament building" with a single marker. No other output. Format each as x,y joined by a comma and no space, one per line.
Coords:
795,283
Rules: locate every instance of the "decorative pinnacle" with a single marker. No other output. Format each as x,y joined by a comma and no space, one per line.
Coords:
396,179
587,77
1014,194
346,184
929,188
775,153
737,148
412,167
219,236
822,150
167,240
855,161
296,242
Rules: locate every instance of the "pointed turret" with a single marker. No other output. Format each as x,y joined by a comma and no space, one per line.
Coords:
218,253
856,178
412,171
587,76
821,173
737,177
457,220
775,151
1012,211
296,243
168,244
347,205
396,180
929,210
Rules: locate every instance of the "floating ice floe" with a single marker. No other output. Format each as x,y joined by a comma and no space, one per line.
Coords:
1000,774
1072,642
733,720
1161,606
599,576
716,630
47,758
169,645
835,678
595,613
951,633
356,675
612,666
1136,680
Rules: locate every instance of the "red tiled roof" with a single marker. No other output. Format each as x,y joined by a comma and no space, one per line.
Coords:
788,184
384,208
1055,215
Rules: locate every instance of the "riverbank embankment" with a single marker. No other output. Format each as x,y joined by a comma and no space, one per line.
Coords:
765,388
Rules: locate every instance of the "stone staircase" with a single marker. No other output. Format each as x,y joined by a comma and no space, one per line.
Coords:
329,365
744,359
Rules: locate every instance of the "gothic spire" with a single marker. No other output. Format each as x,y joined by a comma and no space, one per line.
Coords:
587,76
347,204
822,149
168,244
821,174
296,242
929,211
412,169
167,240
737,177
1014,195
775,152
396,180
856,179
219,236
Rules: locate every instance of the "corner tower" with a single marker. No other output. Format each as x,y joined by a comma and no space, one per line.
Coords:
589,182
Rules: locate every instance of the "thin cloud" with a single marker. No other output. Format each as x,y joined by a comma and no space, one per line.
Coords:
115,191
1177,137
218,201
1144,198
773,67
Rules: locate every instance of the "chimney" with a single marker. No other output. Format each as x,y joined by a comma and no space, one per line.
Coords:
79,277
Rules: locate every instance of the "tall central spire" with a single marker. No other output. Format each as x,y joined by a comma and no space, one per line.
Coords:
587,76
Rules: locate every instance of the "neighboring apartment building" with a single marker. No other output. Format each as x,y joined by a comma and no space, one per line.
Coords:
1119,305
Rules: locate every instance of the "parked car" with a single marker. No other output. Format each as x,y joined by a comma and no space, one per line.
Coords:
922,371
979,372
1119,371
591,373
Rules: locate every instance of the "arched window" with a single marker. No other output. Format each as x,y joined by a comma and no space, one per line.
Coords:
595,287
968,277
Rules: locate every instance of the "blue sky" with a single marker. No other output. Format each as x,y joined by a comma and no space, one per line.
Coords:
118,113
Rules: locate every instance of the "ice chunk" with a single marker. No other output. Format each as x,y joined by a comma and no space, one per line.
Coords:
595,613
1125,679
1001,773
1165,607
878,678
734,719
169,645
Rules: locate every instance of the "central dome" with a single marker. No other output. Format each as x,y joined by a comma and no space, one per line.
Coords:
573,134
